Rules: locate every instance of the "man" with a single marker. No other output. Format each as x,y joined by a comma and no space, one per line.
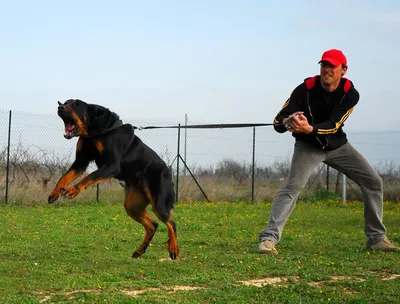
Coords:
315,113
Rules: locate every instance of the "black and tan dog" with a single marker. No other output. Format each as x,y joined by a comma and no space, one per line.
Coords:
118,153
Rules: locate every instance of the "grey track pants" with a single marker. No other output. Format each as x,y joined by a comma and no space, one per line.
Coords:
346,160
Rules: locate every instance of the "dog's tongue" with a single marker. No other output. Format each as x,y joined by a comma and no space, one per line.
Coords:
69,128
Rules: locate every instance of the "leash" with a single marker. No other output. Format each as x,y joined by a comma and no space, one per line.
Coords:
207,126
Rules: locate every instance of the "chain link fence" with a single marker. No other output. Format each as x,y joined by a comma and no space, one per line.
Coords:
235,164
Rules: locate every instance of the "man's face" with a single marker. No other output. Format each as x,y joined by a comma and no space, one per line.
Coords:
331,74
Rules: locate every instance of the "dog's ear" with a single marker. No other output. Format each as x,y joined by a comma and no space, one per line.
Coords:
101,119
101,116
96,112
59,103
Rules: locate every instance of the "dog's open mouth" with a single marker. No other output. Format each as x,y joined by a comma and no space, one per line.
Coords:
70,129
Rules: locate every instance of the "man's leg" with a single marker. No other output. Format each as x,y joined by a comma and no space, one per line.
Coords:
304,161
350,162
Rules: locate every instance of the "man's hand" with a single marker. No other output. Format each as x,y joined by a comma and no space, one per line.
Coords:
297,123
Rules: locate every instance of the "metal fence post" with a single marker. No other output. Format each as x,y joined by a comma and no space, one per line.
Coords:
327,177
185,145
253,164
177,163
343,188
8,156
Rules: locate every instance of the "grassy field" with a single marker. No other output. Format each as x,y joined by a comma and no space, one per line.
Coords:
80,253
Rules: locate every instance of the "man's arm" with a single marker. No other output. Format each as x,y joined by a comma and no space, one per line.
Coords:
290,107
339,116
300,124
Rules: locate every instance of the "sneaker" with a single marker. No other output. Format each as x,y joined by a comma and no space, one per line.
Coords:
384,245
267,247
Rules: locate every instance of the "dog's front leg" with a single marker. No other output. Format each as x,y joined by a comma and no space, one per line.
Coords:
73,173
105,172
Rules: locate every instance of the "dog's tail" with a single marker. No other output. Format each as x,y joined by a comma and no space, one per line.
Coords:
166,200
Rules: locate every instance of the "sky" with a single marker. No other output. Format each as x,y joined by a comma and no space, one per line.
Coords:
217,61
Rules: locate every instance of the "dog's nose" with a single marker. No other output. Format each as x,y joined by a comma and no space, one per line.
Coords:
61,107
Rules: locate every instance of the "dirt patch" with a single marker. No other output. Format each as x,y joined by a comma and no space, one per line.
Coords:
344,278
46,296
391,277
336,279
134,293
184,288
274,281
277,281
269,281
44,299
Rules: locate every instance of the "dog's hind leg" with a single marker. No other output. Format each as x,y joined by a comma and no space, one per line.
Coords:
150,227
172,243
160,207
135,206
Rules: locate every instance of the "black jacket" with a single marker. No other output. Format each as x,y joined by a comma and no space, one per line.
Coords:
325,111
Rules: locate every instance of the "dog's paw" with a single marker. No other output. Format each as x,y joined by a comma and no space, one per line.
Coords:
137,254
174,255
53,196
172,249
70,192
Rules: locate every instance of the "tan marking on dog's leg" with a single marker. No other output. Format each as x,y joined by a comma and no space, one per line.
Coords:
135,206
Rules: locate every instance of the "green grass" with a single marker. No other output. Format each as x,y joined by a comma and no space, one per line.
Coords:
80,253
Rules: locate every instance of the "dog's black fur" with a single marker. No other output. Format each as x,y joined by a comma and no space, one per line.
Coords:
118,153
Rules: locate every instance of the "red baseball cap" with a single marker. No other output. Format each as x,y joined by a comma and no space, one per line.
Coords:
335,57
